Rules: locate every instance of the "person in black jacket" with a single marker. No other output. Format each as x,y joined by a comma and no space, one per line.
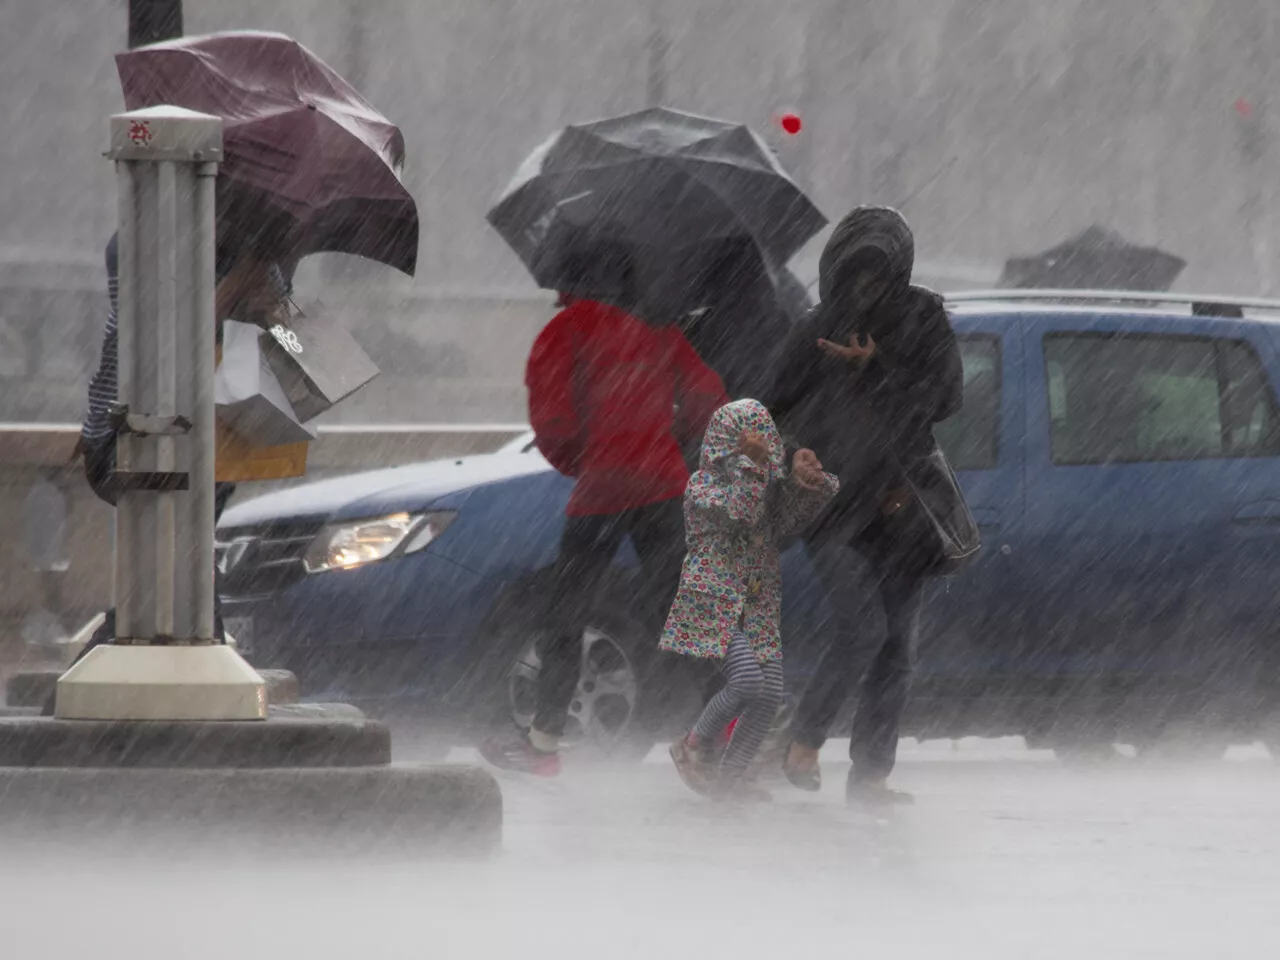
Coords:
861,381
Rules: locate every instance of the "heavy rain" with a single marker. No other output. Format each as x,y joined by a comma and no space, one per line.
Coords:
636,478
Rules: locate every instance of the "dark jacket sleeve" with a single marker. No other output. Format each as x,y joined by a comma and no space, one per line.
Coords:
927,378
795,375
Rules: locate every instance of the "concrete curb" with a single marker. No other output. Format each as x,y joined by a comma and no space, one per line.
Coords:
390,810
274,743
31,688
332,711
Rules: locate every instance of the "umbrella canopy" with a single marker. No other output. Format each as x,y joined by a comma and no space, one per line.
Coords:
302,148
1096,259
660,181
742,317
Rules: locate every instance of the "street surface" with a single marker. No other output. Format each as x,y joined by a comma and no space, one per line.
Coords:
1006,855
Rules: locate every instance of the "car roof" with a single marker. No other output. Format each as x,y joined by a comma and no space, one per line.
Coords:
1136,303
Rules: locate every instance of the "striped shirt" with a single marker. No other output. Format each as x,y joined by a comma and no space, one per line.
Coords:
104,387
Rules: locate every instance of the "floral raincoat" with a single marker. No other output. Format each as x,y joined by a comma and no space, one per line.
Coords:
737,512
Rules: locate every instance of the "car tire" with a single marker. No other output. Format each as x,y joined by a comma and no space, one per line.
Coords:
628,693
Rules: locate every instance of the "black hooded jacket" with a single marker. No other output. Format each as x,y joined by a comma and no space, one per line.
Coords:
865,422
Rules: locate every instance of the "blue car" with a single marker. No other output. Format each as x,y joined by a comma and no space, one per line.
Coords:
1122,457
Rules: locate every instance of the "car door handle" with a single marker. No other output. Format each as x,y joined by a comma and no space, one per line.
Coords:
1262,512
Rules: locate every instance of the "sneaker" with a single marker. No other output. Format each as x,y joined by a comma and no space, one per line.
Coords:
875,793
513,751
693,765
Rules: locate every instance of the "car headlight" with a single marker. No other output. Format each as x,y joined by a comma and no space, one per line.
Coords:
341,546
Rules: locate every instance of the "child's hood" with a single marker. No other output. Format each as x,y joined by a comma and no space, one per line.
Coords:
723,439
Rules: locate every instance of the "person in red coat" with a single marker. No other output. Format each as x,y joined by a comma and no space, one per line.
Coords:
614,402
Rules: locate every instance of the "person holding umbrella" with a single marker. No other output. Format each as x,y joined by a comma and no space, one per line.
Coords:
862,381
613,401
610,211
309,166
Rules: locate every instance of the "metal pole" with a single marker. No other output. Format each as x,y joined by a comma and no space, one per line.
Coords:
164,664
151,21
126,271
165,470
202,443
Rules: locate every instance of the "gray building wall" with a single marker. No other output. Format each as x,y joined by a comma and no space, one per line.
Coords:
999,126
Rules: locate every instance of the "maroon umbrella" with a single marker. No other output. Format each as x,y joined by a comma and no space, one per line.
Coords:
303,151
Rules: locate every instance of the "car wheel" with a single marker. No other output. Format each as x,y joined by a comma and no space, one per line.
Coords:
622,694
605,704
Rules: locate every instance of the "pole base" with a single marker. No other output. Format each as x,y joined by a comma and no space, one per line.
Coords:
118,682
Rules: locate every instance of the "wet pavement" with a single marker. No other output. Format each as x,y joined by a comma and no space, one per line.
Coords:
1006,854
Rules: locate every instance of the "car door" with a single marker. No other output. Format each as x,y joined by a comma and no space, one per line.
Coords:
966,621
1153,498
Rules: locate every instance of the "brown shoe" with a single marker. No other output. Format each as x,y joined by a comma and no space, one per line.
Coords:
801,767
693,767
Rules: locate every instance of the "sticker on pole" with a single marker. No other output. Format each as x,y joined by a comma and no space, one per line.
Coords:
286,338
140,133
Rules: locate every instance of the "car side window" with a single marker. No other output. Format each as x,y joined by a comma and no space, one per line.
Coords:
1135,398
971,438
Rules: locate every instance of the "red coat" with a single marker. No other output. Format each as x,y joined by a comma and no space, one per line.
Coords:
612,401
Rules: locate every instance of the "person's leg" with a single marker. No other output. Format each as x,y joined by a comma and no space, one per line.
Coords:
657,532
586,549
873,747
854,641
744,683
754,723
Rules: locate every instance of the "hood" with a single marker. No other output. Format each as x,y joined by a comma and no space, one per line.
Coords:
411,487
724,436
867,228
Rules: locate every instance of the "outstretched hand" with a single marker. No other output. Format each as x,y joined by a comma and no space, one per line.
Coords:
807,469
856,352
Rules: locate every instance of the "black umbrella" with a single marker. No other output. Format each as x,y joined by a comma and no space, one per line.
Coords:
741,314
1097,259
658,181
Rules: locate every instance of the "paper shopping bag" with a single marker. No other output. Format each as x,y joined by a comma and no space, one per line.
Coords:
316,361
248,397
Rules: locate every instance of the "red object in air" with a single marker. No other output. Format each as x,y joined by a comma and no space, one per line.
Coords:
1244,108
790,123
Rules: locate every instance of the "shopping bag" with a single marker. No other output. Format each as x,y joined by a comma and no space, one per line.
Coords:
248,398
317,362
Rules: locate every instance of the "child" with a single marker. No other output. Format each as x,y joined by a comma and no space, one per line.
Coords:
738,507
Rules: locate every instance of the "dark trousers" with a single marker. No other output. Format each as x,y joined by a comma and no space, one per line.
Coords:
869,648
587,549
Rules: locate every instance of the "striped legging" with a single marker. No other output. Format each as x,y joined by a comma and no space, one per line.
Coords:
752,693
